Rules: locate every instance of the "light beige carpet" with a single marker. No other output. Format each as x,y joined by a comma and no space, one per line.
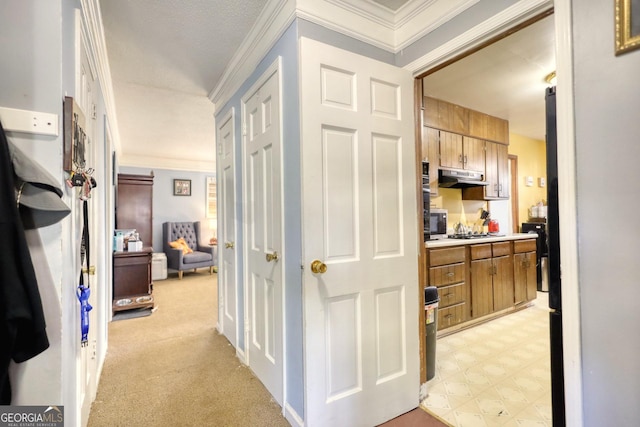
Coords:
173,368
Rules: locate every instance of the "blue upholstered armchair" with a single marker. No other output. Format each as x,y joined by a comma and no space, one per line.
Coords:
202,255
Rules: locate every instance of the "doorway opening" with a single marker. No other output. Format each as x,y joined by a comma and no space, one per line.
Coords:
460,81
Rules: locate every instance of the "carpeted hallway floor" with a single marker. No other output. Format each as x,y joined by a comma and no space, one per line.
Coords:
173,368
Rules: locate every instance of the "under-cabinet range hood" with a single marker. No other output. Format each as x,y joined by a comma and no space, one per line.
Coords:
460,179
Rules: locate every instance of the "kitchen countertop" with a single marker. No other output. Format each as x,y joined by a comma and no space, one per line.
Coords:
459,242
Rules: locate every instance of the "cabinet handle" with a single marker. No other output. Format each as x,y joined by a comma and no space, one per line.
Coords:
460,158
465,159
449,274
448,316
449,295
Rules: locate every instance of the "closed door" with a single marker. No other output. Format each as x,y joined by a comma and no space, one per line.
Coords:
360,287
227,295
263,231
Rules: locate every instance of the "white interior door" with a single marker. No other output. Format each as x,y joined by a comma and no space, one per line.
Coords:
228,300
263,231
361,315
85,99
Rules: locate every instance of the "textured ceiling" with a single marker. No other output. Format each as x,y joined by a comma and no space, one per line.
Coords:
165,57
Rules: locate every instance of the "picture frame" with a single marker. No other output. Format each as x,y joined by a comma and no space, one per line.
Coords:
627,25
181,187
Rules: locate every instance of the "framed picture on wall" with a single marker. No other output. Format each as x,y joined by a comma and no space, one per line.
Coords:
627,25
181,187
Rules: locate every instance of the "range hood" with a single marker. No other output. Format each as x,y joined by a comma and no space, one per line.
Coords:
459,179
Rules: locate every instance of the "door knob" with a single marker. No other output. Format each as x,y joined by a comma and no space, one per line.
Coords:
229,245
318,267
273,257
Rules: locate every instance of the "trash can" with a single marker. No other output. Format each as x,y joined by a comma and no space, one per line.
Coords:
431,320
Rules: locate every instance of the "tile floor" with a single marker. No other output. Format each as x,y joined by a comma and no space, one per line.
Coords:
495,374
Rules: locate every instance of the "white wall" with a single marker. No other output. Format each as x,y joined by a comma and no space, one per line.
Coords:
607,106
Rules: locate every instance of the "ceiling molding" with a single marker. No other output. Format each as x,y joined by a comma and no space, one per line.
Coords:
97,51
493,26
367,21
146,161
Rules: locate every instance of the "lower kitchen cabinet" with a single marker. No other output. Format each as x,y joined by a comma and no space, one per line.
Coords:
491,278
447,271
524,271
476,280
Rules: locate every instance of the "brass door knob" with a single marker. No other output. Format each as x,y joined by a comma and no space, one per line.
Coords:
229,245
318,267
273,257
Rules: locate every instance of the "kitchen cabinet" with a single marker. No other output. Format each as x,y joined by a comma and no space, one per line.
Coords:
430,153
461,152
496,175
491,278
444,115
524,271
448,272
488,127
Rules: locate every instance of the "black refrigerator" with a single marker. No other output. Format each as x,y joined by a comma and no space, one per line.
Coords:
553,241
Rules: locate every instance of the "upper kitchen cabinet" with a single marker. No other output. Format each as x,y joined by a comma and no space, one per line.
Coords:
461,152
445,116
431,154
488,127
496,175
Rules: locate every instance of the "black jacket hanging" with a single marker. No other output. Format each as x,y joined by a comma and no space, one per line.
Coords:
22,323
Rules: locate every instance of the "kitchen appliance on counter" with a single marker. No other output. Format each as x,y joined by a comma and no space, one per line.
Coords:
542,252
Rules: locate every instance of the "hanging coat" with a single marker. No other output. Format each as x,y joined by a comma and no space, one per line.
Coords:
22,323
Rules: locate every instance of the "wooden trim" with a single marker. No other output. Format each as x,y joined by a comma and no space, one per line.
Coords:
422,256
515,202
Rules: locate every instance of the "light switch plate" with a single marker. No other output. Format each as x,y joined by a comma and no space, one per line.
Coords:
528,181
542,182
29,121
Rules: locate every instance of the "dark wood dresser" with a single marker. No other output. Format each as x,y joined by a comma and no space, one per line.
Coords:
132,284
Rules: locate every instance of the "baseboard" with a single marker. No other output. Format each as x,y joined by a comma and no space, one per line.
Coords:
292,416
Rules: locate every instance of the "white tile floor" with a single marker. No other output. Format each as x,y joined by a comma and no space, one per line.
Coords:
495,374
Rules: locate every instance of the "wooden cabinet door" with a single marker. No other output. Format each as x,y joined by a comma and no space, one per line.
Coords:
532,275
525,277
491,172
450,150
481,287
430,153
473,152
503,291
502,166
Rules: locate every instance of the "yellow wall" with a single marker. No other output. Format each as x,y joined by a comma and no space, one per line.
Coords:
465,211
532,154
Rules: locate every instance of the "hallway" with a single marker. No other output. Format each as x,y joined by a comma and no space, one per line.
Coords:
173,368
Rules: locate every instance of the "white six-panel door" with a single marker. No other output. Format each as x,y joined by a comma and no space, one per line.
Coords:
228,301
263,230
359,204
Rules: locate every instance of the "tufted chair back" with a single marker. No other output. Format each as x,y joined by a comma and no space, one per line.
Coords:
190,231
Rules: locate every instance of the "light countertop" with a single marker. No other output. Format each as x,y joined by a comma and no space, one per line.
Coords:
497,238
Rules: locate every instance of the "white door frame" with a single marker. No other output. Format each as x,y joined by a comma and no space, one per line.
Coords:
510,17
222,237
274,68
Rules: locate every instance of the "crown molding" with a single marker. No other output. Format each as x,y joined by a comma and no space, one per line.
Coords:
274,19
493,26
146,161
